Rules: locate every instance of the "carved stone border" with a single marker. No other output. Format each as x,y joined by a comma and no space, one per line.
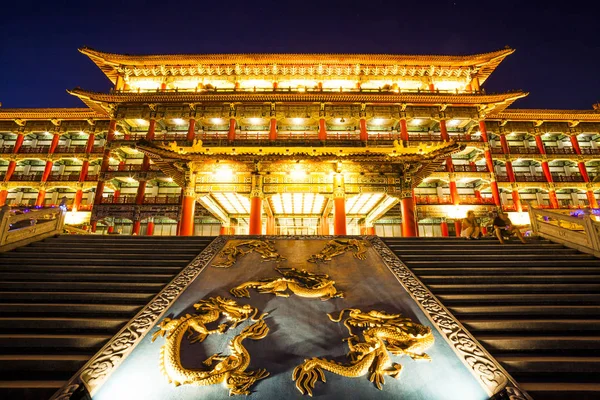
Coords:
493,378
490,374
95,372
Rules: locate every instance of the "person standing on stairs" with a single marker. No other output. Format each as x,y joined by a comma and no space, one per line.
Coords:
504,226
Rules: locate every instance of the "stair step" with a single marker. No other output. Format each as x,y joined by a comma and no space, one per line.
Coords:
61,324
549,364
561,390
508,278
502,263
49,309
65,277
503,299
31,341
581,326
521,269
91,261
527,310
516,288
143,269
82,286
92,297
42,362
510,257
528,343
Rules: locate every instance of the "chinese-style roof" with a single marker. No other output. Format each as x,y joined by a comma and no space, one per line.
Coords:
26,114
114,65
546,115
496,102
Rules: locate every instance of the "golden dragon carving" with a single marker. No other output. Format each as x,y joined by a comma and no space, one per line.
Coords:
336,247
382,333
227,369
300,282
232,252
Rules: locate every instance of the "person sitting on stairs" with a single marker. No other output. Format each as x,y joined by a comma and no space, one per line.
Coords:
504,226
470,226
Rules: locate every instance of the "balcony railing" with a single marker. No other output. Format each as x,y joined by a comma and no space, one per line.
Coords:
424,137
34,149
91,178
332,135
461,137
502,178
589,150
59,177
6,149
162,199
529,178
433,199
249,135
556,150
496,150
569,178
471,168
524,150
26,177
118,200
309,135
70,149
476,201
125,167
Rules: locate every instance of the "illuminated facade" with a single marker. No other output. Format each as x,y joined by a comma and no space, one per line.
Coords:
296,144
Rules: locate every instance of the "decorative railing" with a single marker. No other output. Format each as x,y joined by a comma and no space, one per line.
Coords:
529,178
307,135
6,149
20,228
524,150
126,199
582,234
461,137
556,150
470,168
589,150
34,149
26,177
70,149
433,199
64,178
496,150
502,178
425,137
567,178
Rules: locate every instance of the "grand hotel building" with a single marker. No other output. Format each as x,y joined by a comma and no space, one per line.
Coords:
396,145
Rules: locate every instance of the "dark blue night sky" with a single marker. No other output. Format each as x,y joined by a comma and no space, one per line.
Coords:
557,58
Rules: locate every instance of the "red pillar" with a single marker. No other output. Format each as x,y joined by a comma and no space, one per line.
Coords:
224,230
517,201
273,129
136,227
151,129
150,227
583,171
322,129
116,196
112,127
409,225
431,87
231,133
483,131
339,217
575,144
89,146
77,201
488,160
444,130
454,193
255,215
39,202
270,225
110,229
553,199
590,196
457,227
504,144
3,197
188,208
444,228
510,172
403,130
364,135
547,173
18,142
495,193
540,144
99,192
141,192
93,226
84,171
370,230
54,143
324,226
47,170
12,165
191,133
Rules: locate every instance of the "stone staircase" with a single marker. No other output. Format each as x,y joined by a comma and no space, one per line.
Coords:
63,298
534,307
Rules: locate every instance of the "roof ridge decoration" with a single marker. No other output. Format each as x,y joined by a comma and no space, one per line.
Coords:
524,114
45,113
114,65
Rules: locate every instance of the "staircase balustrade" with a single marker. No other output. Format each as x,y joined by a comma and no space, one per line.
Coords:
582,234
21,229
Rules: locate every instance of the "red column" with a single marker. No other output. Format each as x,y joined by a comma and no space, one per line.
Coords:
93,226
495,193
255,215
273,129
270,225
12,165
483,131
454,192
431,87
575,144
540,144
151,129
590,196
517,201
457,227
444,130
324,226
188,208
504,143
110,229
84,171
18,142
141,192
116,196
583,171
488,160
449,164
369,230
224,230
77,200
403,130
47,170
112,126
54,143
339,217
40,198
484,230
409,225
89,146
99,192
191,133
444,228
553,199
510,172
150,227
364,136
136,227
547,173
231,133
322,129
3,196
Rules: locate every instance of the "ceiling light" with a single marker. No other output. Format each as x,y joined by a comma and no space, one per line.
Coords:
297,121
224,174
378,121
416,121
178,121
216,121
255,121
454,122
141,121
298,173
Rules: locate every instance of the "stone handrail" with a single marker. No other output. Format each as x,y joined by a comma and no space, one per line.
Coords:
581,234
18,230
